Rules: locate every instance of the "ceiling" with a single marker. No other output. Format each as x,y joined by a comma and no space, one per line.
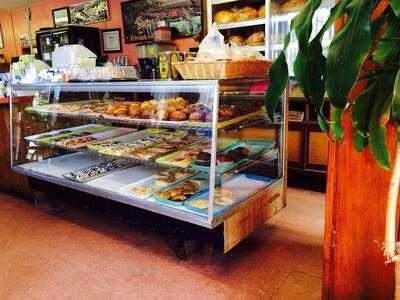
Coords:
9,4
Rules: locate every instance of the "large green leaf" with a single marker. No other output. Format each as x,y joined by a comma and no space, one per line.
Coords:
310,63
336,123
389,46
379,118
361,115
347,52
278,79
396,100
396,7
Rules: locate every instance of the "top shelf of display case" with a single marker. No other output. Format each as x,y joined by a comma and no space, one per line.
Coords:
125,86
134,86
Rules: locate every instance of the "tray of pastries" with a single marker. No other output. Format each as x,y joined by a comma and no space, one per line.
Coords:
56,136
145,188
230,157
96,171
128,144
77,142
177,194
166,147
186,156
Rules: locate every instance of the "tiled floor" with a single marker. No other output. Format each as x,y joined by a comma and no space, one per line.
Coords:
86,255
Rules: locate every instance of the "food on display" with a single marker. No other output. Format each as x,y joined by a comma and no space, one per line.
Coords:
223,197
199,203
141,191
146,187
122,148
98,170
256,39
237,40
236,15
181,192
217,60
77,141
261,11
203,158
225,16
246,13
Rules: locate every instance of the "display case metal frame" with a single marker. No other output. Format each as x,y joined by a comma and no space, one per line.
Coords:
164,86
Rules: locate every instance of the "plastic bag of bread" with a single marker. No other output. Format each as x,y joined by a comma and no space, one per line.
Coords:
245,53
213,47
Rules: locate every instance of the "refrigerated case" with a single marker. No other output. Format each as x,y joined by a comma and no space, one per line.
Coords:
204,152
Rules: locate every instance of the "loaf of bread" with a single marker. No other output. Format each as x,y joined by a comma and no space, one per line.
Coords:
256,39
224,16
236,39
246,13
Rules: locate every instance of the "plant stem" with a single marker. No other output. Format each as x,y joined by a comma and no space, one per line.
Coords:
391,209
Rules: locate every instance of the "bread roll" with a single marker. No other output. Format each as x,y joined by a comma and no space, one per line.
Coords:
246,13
256,39
224,16
261,12
236,39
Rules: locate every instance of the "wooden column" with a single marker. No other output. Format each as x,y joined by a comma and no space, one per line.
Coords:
354,266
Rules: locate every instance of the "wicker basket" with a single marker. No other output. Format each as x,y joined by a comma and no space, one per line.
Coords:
223,69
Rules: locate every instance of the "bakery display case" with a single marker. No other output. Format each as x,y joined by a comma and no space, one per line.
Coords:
203,152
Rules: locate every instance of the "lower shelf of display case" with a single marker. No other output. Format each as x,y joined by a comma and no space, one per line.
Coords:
110,186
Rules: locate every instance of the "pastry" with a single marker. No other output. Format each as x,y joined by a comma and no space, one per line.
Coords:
256,39
134,109
223,197
203,159
224,16
140,191
261,12
148,105
178,116
225,112
246,13
148,114
236,40
199,203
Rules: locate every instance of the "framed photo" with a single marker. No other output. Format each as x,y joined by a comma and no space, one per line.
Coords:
111,40
1,39
140,17
61,16
89,12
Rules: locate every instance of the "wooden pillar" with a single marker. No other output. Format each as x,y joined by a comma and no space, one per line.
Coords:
354,266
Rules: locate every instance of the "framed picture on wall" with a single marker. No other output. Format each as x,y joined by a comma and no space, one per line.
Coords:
1,39
111,40
89,12
61,16
139,18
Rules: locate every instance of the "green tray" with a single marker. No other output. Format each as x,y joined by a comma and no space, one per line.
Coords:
255,148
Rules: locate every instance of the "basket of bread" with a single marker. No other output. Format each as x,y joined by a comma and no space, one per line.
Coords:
217,60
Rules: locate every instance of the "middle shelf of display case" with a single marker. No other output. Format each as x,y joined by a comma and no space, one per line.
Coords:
186,125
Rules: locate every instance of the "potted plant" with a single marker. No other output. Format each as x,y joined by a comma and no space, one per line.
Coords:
368,51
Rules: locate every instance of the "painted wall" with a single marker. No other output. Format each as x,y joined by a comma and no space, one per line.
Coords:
13,25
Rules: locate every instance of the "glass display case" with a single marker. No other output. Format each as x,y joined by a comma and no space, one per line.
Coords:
203,152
